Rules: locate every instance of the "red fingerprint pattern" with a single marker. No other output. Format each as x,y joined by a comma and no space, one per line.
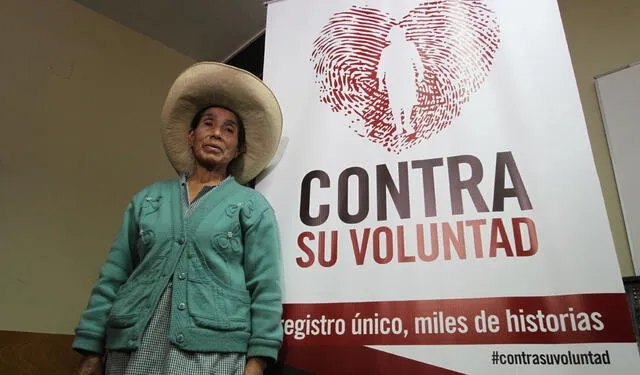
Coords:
455,40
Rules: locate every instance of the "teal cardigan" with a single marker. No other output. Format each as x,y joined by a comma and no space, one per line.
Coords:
223,261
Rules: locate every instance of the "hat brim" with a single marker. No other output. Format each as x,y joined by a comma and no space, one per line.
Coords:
209,83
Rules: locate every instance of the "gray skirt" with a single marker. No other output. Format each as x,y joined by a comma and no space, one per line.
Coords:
157,356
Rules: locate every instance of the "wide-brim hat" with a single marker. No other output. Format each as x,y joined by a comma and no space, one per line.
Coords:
215,84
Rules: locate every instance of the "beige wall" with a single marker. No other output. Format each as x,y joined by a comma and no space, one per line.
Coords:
80,97
602,36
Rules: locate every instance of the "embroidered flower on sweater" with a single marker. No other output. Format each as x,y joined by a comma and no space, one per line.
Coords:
151,204
247,209
230,239
232,209
147,236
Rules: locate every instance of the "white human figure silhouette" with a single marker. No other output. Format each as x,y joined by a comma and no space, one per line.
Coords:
400,69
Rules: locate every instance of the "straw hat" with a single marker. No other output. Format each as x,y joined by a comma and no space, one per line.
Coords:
210,83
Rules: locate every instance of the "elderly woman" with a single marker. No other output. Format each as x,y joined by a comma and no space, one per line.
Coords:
192,283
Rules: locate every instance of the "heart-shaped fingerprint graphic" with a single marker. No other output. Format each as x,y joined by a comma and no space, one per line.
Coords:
400,81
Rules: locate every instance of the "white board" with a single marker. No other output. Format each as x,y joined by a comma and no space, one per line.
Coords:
619,97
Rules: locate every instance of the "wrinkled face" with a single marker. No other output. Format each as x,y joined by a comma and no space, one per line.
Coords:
214,139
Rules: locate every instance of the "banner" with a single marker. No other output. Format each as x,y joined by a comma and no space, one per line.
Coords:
439,206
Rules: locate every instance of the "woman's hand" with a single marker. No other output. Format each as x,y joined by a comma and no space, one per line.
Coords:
255,366
91,364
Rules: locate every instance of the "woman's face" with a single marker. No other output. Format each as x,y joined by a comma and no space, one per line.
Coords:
215,139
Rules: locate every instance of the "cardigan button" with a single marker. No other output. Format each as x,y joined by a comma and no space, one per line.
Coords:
182,276
181,306
181,241
180,338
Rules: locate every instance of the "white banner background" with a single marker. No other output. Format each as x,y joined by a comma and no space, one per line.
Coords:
528,105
